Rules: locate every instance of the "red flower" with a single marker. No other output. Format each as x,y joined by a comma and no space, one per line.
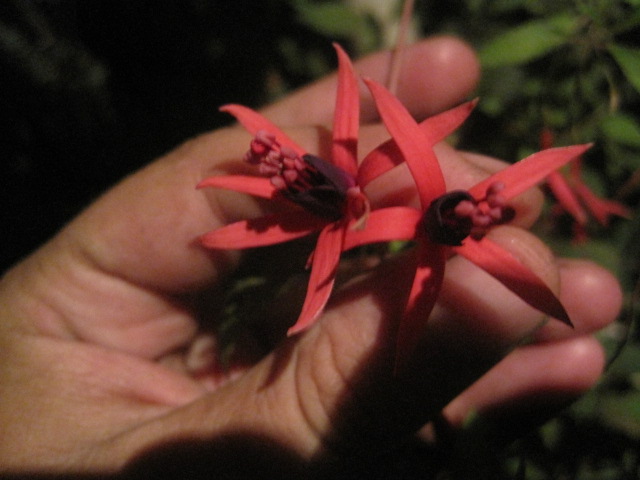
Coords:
576,198
455,222
325,197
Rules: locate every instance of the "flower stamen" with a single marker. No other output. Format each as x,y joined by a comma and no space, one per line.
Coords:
317,185
456,215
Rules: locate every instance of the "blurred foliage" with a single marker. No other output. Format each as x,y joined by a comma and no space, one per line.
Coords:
572,66
94,89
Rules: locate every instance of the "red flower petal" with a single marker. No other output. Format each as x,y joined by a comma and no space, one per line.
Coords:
385,225
513,274
528,172
256,186
565,196
346,117
436,129
601,208
323,273
254,122
422,298
262,231
412,142
440,126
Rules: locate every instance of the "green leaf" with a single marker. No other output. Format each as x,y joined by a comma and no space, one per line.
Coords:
601,251
629,61
630,22
623,129
623,413
332,19
529,41
628,363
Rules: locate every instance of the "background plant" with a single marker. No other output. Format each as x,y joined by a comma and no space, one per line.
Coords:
573,67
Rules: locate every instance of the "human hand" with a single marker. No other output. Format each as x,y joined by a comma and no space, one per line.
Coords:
95,321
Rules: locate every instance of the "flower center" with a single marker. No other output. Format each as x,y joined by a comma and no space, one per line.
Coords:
313,183
456,215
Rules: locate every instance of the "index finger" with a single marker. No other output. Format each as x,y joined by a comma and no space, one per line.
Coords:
436,73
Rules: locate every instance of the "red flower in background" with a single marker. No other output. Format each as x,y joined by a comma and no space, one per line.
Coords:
455,222
576,198
325,196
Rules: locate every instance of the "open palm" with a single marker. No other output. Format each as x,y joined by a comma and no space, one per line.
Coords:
99,327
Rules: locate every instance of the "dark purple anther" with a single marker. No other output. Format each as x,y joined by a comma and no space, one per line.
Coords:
441,222
313,183
456,215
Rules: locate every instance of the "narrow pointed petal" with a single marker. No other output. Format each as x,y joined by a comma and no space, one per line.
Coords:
440,126
526,173
565,197
601,208
262,231
346,118
412,142
385,225
256,186
422,298
254,122
513,274
323,274
435,128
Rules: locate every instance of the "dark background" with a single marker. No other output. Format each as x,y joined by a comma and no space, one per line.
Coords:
91,90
